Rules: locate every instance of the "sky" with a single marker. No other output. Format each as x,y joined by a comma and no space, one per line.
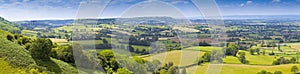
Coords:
19,10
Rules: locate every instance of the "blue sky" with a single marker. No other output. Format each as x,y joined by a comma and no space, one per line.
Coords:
17,10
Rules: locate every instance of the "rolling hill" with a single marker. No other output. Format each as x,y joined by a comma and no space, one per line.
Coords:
14,58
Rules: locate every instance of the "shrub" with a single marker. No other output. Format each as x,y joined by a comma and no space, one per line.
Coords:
41,48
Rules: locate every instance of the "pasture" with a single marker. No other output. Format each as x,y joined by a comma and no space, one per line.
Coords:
243,69
178,57
203,48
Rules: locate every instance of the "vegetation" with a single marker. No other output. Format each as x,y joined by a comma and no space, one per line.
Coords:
158,48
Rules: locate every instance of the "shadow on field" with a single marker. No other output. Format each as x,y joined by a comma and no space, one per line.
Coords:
49,65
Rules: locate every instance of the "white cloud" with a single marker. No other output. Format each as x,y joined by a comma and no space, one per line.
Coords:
249,2
275,0
26,0
242,5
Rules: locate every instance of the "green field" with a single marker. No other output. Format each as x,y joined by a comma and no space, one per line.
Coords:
204,48
178,57
231,60
242,69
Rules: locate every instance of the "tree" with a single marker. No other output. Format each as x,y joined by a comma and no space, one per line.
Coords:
206,57
252,51
232,49
257,51
105,41
108,60
293,60
64,53
264,72
41,48
264,52
10,37
173,70
277,72
200,61
280,60
130,48
242,58
294,69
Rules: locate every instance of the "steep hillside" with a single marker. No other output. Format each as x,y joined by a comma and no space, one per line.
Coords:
15,58
8,26
14,53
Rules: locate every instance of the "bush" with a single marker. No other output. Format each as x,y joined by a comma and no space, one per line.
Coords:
277,72
64,53
294,69
41,48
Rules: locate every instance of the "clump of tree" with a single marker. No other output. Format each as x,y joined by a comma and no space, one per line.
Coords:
242,58
64,53
41,48
264,72
283,60
20,39
232,49
253,51
152,66
278,72
214,56
294,69
10,37
168,68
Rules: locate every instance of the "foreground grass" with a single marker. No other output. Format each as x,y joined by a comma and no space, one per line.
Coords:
65,67
6,68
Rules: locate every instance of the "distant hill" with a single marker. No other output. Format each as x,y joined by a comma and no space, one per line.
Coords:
156,20
136,20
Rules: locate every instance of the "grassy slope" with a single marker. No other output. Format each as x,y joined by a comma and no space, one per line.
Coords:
65,67
6,68
13,52
16,55
8,26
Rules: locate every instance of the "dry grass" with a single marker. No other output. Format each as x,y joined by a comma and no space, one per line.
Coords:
55,40
178,57
186,29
